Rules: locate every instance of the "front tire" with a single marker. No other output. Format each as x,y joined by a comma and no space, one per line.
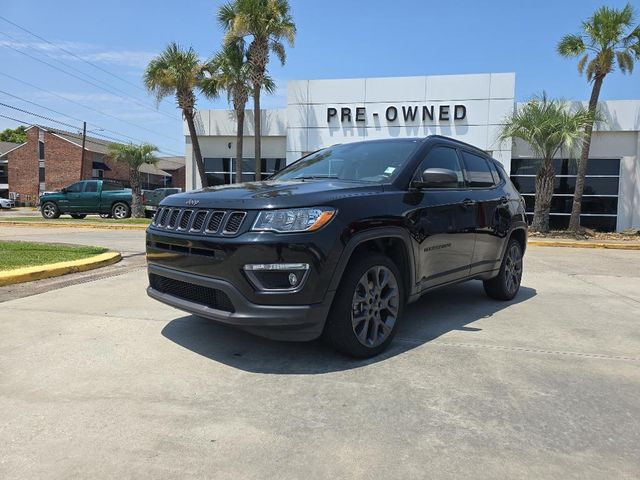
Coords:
368,306
50,210
506,284
120,211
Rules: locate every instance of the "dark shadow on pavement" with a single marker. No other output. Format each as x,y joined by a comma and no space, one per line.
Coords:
436,313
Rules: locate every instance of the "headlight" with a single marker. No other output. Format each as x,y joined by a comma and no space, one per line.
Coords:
295,220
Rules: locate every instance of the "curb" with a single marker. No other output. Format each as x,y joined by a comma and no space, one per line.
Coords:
28,274
578,244
74,225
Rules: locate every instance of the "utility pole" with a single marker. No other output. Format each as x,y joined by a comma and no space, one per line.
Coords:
84,139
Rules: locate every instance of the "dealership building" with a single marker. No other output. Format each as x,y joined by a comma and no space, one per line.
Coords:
321,113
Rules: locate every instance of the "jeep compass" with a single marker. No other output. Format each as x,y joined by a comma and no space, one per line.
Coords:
338,242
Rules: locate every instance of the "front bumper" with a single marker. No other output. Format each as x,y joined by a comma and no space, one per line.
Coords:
279,322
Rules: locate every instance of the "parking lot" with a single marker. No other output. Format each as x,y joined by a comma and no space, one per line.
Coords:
97,380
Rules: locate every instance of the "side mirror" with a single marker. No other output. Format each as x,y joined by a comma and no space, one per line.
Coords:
63,190
437,178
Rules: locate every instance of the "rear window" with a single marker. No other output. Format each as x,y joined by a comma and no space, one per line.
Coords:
106,186
478,171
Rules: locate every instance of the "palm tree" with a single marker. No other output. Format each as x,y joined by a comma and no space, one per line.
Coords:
178,72
607,38
547,126
229,71
134,156
268,23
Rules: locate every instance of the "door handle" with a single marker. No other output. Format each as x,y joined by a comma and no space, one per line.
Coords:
467,202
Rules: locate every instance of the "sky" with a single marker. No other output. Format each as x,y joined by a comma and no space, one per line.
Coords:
97,78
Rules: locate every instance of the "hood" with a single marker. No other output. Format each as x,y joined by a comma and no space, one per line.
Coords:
275,194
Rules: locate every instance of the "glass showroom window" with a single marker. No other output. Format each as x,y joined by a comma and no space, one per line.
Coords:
600,200
222,170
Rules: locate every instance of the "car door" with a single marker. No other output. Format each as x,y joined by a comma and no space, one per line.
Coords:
490,207
442,222
72,197
90,197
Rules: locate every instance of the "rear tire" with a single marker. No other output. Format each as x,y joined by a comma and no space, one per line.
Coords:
506,284
50,210
367,308
120,211
78,216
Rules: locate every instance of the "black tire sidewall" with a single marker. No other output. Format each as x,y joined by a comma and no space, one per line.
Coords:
497,287
338,329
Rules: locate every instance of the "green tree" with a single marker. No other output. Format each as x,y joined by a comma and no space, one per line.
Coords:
547,126
178,72
134,156
267,23
15,135
229,71
608,37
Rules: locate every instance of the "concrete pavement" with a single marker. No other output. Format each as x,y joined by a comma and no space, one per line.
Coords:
97,380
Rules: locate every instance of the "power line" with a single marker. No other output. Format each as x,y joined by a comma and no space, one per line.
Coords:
57,130
72,54
82,105
90,82
74,118
49,119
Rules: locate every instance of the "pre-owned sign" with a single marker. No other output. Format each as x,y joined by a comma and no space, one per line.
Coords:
409,113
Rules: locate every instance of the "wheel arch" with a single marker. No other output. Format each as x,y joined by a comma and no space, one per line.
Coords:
393,242
519,234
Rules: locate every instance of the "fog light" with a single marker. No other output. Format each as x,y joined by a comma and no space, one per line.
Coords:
277,276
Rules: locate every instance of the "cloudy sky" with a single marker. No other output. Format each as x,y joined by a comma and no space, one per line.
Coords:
73,61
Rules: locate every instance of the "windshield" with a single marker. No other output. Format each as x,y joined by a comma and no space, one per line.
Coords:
376,162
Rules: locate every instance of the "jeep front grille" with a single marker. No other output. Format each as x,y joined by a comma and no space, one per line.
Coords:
203,221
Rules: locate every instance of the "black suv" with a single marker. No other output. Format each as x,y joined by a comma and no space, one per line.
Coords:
337,243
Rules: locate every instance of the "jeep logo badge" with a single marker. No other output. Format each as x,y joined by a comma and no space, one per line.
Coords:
193,203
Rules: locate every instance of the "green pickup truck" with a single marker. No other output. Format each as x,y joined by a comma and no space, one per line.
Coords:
88,197
152,198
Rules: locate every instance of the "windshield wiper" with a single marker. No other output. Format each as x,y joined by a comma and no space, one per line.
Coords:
314,177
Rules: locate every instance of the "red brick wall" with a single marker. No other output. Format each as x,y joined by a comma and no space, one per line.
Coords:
61,162
119,171
23,169
62,167
178,177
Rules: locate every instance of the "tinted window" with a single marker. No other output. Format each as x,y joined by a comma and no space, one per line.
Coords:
494,173
75,188
477,170
106,186
376,162
566,185
565,166
443,157
91,187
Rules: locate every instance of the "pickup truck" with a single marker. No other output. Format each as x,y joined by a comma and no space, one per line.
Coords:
152,198
88,197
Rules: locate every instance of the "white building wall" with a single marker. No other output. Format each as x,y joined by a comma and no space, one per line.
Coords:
488,99
617,136
217,137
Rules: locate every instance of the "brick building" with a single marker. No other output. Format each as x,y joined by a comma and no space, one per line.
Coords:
52,159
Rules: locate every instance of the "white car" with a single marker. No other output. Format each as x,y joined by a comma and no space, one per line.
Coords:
6,203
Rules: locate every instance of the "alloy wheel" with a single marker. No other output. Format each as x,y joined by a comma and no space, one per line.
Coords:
49,210
375,306
513,268
119,212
